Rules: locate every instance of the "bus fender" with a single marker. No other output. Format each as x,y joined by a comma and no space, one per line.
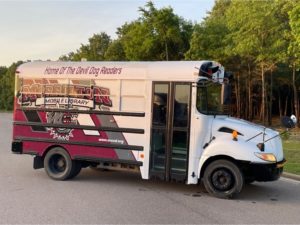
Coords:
226,149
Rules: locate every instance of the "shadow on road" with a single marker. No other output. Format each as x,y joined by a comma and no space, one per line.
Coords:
254,193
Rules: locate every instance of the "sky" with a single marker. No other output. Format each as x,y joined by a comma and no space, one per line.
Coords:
44,29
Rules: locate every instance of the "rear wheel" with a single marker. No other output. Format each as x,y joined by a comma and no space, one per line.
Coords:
76,170
59,165
223,179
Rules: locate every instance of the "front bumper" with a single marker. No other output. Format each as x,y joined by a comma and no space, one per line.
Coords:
265,172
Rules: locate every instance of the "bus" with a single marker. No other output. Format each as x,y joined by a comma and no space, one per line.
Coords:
165,120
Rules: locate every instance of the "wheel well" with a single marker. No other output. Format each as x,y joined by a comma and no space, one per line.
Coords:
51,147
214,158
85,164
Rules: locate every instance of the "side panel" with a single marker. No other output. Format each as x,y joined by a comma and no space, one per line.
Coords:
134,92
92,119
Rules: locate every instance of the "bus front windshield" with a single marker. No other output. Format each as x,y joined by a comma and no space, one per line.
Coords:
209,98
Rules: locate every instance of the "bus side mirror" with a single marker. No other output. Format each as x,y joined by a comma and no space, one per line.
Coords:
289,122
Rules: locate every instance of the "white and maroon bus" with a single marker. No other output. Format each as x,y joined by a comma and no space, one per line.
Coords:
163,119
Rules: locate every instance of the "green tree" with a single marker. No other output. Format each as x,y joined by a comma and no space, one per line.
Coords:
7,82
138,42
295,20
211,40
256,31
158,34
93,51
294,50
209,37
67,57
3,71
115,52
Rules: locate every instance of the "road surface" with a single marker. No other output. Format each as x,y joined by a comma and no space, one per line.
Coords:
28,196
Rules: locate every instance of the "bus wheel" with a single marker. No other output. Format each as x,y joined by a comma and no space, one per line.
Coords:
223,179
58,164
76,169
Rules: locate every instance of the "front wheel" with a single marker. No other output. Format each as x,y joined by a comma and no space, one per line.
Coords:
223,179
59,165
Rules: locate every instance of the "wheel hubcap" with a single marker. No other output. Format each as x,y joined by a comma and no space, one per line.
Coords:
222,180
57,164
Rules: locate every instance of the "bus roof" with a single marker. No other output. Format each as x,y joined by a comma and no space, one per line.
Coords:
160,71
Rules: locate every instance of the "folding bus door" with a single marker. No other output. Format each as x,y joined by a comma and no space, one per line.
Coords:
170,130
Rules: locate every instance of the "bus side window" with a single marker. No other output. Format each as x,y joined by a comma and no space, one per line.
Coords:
181,105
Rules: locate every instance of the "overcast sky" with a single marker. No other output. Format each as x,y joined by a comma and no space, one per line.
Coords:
42,29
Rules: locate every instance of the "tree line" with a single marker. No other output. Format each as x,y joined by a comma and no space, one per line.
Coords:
259,41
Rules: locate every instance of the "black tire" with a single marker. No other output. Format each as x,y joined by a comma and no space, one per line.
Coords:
59,165
76,169
223,179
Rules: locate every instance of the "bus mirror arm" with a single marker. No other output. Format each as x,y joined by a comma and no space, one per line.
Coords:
287,130
254,136
287,122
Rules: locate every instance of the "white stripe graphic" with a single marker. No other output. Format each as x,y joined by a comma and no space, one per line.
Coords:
86,120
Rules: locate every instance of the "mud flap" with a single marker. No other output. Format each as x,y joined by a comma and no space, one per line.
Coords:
38,162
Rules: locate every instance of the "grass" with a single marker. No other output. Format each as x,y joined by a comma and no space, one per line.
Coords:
292,154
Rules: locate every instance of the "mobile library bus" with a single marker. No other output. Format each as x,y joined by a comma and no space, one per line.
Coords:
163,119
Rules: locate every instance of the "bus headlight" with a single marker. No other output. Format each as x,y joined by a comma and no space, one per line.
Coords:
266,156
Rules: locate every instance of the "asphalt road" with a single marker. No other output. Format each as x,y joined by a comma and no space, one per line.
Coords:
28,196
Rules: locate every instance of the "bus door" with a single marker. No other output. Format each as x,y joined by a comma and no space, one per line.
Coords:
171,110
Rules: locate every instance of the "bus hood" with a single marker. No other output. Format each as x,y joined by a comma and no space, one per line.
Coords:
249,132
